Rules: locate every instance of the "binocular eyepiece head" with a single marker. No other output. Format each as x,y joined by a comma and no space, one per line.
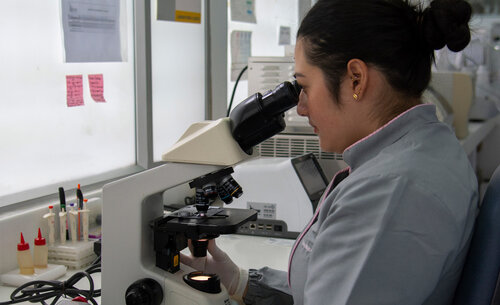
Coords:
260,117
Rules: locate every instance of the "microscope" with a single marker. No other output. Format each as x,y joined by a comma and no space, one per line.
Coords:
141,243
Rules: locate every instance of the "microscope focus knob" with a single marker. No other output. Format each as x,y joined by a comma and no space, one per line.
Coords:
144,292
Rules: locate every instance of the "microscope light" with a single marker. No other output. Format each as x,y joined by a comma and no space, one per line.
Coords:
201,281
201,278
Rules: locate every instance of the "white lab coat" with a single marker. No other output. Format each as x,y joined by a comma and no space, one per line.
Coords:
395,231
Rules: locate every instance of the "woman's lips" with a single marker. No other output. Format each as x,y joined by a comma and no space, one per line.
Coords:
315,128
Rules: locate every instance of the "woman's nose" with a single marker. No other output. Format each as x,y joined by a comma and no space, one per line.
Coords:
302,105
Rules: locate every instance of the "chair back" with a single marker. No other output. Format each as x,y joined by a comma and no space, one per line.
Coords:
479,283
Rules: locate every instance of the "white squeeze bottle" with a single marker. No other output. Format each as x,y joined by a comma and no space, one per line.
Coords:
24,259
40,251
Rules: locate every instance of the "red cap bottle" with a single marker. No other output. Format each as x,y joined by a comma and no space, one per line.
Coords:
40,252
39,241
22,246
24,259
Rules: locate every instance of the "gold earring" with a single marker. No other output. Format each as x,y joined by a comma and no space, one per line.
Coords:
355,96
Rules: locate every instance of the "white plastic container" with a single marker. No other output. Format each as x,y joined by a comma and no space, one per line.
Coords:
40,252
24,259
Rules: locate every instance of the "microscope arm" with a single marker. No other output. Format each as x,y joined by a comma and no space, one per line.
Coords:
129,205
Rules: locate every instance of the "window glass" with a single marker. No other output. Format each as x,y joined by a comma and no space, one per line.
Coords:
43,140
270,16
178,77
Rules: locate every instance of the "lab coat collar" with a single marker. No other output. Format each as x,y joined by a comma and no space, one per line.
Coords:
369,146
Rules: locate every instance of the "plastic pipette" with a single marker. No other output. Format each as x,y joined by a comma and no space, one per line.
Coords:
50,216
73,215
85,220
62,225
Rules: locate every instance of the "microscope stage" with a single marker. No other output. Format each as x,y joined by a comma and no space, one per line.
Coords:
217,221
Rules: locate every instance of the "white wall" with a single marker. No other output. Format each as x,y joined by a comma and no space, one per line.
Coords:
178,68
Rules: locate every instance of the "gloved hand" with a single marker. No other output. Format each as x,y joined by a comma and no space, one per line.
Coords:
218,262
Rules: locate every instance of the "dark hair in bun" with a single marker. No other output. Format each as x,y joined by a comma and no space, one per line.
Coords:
395,36
445,22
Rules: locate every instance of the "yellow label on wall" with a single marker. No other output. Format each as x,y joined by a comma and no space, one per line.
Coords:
183,16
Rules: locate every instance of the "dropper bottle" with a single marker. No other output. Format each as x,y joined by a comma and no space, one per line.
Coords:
24,259
40,251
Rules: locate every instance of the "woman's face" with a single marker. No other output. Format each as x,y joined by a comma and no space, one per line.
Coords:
330,121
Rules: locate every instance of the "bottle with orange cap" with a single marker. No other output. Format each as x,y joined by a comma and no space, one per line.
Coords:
24,259
40,251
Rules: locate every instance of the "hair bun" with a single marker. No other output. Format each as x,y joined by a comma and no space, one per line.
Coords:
445,22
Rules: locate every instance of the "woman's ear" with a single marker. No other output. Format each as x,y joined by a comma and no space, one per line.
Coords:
357,70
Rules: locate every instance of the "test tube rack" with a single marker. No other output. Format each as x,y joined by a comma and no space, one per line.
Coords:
74,255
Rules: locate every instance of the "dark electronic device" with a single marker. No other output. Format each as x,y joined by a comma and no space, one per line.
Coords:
311,176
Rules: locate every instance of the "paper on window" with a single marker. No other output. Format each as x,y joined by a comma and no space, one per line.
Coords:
241,47
74,90
91,30
96,85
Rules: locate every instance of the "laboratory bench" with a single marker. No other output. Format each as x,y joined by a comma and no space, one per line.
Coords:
246,251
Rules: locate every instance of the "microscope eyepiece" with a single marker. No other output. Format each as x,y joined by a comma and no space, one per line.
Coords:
260,117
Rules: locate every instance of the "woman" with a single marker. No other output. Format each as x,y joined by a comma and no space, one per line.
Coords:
393,227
